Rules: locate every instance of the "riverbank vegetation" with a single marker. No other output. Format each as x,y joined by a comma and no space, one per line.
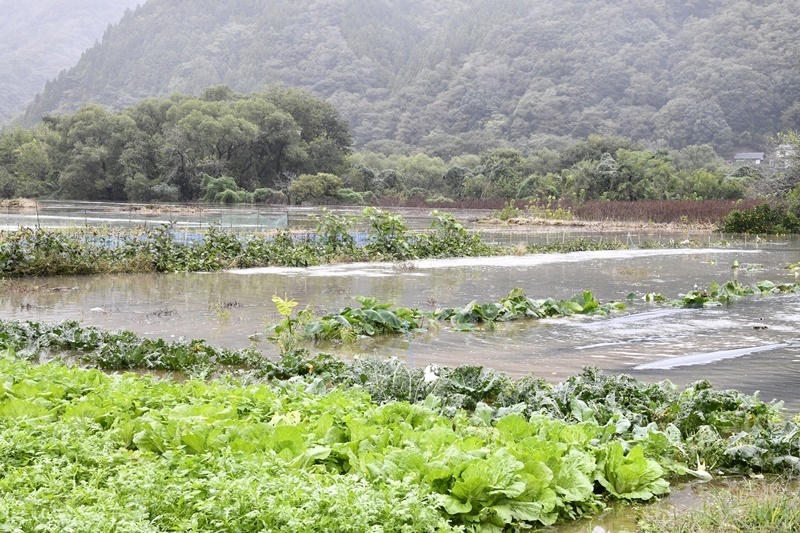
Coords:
285,146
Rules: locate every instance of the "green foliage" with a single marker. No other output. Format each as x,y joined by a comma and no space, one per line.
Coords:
333,235
576,244
549,74
729,292
449,238
121,350
314,187
763,219
224,191
509,211
517,306
630,476
388,237
349,196
216,148
265,195
381,318
227,455
372,318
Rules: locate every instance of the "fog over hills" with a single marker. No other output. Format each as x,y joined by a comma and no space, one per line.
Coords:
451,76
42,37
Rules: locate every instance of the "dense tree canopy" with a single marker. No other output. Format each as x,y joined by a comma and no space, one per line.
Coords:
463,76
167,149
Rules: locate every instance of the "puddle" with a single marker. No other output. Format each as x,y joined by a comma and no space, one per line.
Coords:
683,498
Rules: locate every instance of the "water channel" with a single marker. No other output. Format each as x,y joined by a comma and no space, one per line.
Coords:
753,344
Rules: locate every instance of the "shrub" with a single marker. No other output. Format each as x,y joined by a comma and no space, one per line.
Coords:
349,196
226,197
509,211
269,196
762,218
215,187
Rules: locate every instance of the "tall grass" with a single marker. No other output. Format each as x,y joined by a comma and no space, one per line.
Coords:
661,211
656,211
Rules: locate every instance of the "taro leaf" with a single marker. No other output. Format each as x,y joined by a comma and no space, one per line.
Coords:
373,315
490,311
313,329
341,320
587,301
571,307
390,319
465,313
367,302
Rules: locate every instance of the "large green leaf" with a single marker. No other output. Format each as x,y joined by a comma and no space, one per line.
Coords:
631,476
16,408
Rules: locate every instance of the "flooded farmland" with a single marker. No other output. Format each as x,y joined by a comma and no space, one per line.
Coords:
753,344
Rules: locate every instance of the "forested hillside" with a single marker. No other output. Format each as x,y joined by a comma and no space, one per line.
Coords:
39,39
456,76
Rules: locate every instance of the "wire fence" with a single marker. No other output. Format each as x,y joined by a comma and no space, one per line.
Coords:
58,215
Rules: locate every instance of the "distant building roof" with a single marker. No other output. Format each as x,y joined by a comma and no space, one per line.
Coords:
748,155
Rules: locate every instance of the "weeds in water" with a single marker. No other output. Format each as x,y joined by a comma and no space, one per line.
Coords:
578,244
751,506
45,252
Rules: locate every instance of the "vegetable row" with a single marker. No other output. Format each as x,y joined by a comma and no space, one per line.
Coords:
83,450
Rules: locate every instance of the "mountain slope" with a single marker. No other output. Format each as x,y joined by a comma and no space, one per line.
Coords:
38,39
458,75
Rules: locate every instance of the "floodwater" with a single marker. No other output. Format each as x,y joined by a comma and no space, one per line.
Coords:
753,344
241,218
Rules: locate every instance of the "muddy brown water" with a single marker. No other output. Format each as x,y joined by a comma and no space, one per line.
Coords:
752,345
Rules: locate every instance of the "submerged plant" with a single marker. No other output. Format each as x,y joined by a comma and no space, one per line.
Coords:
517,305
729,292
372,318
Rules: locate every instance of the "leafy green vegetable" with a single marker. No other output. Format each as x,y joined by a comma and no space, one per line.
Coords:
630,476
